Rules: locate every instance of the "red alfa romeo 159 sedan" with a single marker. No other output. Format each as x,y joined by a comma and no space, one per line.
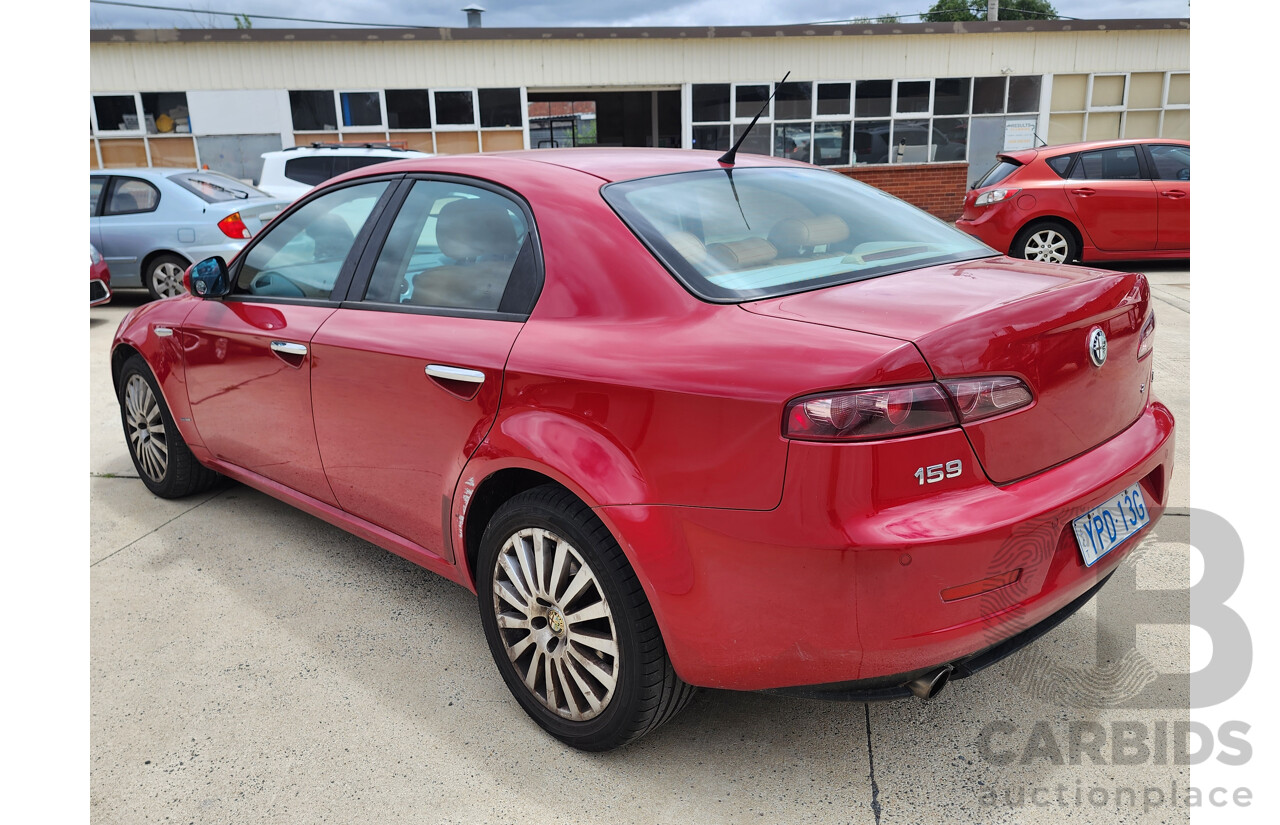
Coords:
677,421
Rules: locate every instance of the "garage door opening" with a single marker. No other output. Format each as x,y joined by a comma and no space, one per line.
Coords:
587,118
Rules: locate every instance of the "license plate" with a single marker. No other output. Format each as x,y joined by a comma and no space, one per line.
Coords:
1106,526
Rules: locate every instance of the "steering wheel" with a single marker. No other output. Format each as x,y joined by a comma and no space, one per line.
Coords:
270,282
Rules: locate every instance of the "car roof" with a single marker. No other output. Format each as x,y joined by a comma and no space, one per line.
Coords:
339,149
1025,156
607,164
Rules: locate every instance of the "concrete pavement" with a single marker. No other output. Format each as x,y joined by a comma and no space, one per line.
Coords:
251,664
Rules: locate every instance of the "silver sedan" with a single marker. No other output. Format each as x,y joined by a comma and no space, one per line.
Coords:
151,224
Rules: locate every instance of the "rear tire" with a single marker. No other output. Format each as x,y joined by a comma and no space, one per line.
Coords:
161,457
164,276
569,626
1050,241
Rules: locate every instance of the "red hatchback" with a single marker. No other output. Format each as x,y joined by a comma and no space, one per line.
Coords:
678,422
1102,201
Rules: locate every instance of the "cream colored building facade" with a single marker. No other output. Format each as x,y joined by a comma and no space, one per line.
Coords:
855,94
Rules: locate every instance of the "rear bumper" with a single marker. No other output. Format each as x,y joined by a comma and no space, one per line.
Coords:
841,582
994,225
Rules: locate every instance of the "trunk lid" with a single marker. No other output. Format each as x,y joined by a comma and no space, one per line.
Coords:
256,212
998,316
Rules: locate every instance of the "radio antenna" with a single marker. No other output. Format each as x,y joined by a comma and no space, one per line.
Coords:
728,157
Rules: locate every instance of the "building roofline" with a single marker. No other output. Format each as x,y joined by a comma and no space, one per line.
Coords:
401,35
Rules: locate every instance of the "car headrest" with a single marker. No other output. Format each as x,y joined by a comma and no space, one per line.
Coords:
473,228
687,246
806,232
745,253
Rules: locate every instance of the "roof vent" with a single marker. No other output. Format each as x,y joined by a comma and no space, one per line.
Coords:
473,15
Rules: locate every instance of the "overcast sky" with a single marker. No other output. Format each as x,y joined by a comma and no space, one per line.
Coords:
533,13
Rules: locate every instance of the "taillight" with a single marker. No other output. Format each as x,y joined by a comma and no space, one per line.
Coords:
1147,337
995,196
233,227
857,415
982,397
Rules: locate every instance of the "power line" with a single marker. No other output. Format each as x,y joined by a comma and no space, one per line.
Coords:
250,15
258,16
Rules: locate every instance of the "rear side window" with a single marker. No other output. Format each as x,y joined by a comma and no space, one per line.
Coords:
1119,163
311,171
453,246
1171,162
346,164
1060,164
1003,169
131,195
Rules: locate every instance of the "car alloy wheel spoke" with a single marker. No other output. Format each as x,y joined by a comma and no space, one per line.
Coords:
145,428
567,661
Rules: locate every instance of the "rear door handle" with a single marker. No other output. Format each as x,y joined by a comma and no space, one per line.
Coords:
1084,193
288,348
1174,193
455,373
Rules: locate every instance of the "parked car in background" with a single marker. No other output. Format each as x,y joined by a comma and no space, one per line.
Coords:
291,172
1099,201
99,278
151,224
679,422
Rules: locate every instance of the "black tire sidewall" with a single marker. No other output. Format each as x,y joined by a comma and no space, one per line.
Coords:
612,726
165,488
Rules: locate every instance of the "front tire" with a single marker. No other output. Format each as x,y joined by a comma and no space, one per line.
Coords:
161,457
1048,241
164,276
569,626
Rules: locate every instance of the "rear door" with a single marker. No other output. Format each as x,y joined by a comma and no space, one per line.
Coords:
248,355
1171,170
408,373
1114,199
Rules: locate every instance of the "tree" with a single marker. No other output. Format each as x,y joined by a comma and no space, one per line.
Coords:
946,11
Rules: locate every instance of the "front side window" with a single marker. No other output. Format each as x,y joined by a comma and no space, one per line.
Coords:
452,246
131,196
1120,163
302,255
761,232
1171,162
96,184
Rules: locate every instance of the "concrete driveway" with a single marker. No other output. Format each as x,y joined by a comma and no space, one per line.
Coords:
252,664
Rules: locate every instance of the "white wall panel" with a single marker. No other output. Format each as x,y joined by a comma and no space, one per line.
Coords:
239,112
620,62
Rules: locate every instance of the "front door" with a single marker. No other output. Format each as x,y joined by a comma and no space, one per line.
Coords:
249,356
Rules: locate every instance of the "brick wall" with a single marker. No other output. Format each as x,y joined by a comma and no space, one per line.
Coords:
937,188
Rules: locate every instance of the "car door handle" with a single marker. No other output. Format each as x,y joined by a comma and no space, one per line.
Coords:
288,348
455,373
1084,193
1174,193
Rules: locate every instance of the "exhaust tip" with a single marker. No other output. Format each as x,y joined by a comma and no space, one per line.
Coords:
930,684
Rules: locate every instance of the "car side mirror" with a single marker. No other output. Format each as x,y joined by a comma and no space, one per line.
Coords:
208,279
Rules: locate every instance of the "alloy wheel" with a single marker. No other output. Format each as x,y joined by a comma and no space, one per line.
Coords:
1047,245
556,624
145,428
167,279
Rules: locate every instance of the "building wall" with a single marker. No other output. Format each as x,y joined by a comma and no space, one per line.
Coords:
937,188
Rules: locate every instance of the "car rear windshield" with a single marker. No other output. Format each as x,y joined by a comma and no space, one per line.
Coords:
745,234
215,188
1003,168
